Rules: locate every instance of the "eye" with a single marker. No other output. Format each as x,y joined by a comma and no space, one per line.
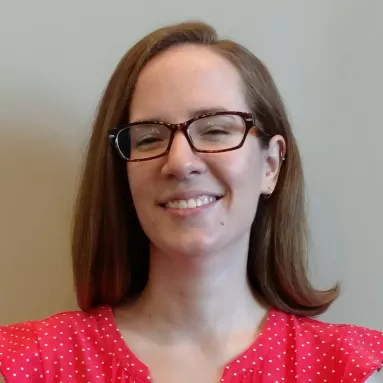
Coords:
147,140
216,130
145,136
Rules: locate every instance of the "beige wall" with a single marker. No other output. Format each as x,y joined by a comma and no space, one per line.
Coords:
55,59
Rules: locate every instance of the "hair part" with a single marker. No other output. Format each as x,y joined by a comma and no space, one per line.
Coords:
110,251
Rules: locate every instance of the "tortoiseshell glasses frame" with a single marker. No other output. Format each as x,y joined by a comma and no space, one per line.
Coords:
248,120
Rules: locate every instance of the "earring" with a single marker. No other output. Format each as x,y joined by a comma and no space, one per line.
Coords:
268,195
270,192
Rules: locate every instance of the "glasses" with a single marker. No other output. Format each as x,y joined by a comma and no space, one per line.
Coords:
209,133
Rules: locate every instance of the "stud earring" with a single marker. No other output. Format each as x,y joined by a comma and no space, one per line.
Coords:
268,195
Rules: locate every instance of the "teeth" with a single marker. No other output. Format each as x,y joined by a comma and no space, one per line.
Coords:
191,203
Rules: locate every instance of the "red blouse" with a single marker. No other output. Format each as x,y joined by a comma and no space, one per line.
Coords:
88,347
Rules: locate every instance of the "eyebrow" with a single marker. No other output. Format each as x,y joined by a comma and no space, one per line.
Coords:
192,113
199,112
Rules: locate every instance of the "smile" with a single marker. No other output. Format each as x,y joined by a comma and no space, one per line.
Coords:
191,203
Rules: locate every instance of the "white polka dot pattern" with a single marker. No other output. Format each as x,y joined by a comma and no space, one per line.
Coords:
81,347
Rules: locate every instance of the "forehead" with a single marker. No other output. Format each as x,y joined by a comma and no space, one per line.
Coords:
184,79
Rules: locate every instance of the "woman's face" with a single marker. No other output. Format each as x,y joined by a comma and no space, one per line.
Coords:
174,87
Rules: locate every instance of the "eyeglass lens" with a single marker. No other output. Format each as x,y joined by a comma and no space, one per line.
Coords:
210,133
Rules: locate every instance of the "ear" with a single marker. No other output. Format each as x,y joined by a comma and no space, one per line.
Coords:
273,156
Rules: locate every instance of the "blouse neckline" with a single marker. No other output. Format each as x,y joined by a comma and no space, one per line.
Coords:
132,364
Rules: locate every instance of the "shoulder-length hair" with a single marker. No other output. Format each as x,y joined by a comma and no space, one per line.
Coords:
109,248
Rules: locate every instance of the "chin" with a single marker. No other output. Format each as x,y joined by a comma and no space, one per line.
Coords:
190,245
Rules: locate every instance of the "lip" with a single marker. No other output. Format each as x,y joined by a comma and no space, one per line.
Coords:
185,195
191,212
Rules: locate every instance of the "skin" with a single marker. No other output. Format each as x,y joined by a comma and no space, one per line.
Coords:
185,83
191,309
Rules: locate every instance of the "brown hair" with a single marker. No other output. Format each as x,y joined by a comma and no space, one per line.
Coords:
111,251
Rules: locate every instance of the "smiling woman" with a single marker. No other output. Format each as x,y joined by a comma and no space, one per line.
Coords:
189,242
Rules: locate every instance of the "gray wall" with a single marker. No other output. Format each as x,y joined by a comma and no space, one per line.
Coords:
55,59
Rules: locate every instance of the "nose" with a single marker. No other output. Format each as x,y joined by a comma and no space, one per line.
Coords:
182,161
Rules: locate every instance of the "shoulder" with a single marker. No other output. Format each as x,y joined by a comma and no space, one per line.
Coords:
348,352
18,345
26,347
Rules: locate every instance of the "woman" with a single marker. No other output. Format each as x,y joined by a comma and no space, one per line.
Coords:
189,244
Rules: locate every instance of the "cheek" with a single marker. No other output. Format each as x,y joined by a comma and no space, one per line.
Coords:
245,191
140,185
241,170
245,187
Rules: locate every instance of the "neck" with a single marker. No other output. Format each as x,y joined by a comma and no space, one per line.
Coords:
196,294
